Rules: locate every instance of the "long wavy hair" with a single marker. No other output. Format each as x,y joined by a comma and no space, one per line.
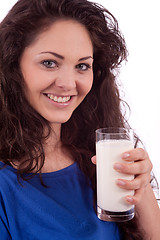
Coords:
21,127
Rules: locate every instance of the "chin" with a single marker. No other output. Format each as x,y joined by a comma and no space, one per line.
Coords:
59,120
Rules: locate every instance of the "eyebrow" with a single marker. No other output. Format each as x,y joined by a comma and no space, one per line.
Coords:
62,57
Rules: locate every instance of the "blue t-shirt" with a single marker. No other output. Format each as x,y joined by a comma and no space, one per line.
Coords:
62,211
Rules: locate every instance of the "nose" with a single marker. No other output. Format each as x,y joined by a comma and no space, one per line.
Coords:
66,79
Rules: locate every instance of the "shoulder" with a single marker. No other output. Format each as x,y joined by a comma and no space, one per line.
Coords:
8,176
6,169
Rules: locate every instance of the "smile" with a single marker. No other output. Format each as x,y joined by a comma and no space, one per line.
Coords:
58,99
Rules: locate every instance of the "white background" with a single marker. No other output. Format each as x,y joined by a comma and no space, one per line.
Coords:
139,21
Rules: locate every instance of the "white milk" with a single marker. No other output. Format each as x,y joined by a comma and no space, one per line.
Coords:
110,197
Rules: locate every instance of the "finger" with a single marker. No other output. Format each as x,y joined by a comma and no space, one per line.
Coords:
134,168
93,159
140,181
136,198
139,162
135,154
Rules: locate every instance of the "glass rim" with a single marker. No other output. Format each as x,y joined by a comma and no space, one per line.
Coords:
117,130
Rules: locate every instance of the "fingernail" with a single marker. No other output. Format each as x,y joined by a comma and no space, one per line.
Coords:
120,182
118,166
129,199
125,155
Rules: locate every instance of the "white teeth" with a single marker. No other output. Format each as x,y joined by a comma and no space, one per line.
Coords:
58,99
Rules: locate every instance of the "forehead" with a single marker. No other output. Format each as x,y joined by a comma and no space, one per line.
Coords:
64,36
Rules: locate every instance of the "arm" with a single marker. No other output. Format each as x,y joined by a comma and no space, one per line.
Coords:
4,233
149,214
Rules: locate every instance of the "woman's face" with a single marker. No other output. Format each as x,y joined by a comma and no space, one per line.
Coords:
57,70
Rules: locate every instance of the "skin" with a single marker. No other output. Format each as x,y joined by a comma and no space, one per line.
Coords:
59,64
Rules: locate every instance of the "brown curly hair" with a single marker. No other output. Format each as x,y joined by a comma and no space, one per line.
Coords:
21,127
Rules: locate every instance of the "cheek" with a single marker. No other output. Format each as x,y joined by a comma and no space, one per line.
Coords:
86,85
89,84
37,82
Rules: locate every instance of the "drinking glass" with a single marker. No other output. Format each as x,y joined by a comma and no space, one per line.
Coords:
110,144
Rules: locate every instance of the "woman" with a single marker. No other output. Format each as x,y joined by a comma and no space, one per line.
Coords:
58,63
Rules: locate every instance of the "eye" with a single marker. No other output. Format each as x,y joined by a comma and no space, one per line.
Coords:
83,66
49,63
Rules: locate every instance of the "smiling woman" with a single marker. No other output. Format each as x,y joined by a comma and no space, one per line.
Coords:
58,67
57,70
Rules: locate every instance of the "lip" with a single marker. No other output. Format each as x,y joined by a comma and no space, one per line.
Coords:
59,104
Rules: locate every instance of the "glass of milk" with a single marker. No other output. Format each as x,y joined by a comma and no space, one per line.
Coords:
110,144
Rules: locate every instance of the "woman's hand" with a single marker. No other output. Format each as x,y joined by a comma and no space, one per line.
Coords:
136,163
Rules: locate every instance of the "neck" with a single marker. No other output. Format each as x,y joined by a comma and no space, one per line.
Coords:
56,156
